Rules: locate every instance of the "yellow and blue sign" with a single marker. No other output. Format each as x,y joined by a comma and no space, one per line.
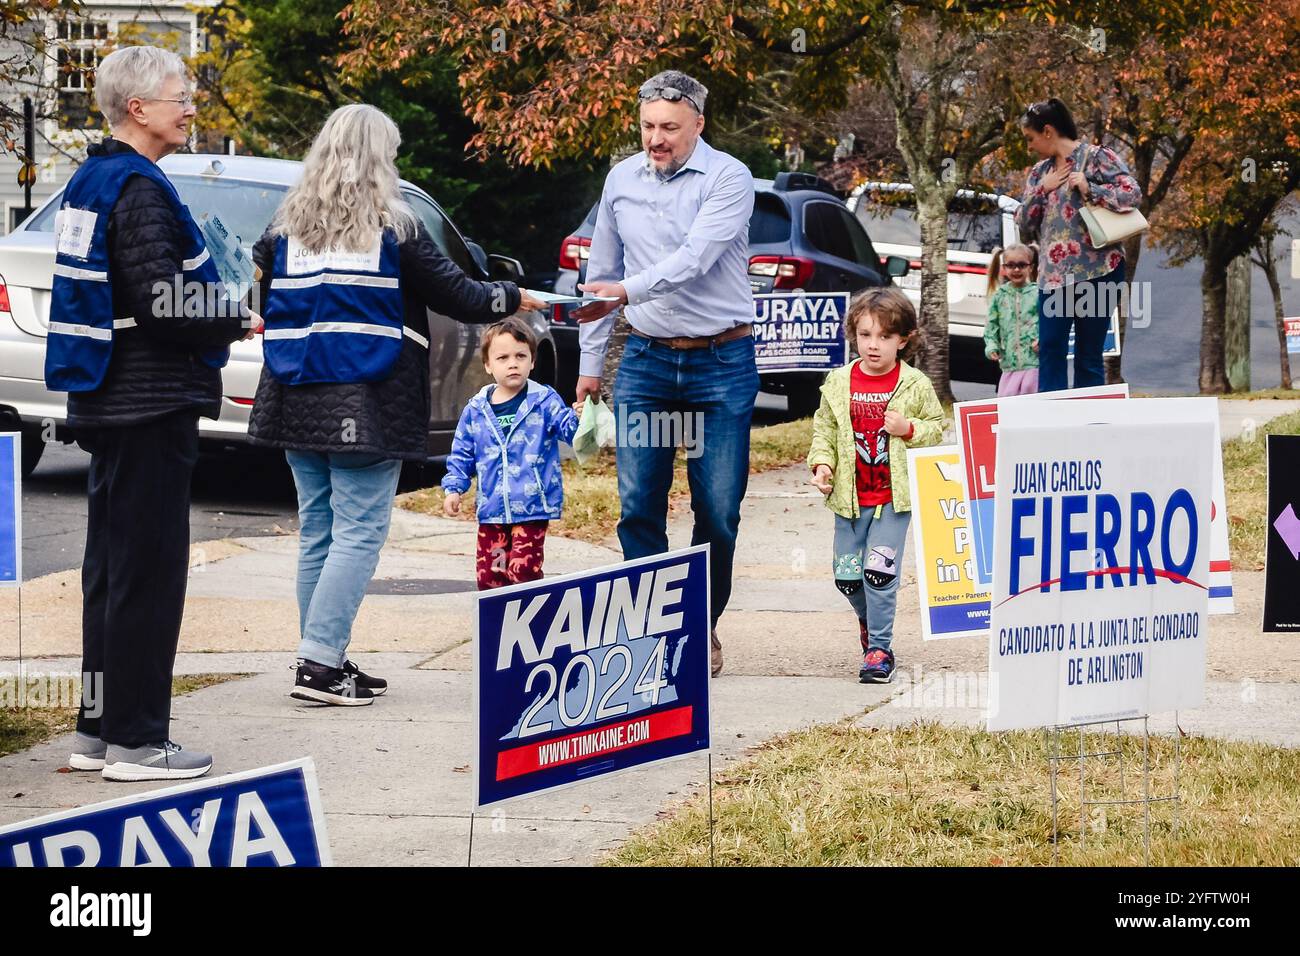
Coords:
952,604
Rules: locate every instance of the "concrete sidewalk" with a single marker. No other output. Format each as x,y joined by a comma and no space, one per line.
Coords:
394,776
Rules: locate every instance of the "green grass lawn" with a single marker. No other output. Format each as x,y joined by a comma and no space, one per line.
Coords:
929,795
1245,480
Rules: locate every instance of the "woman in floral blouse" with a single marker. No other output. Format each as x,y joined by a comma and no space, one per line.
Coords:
1077,284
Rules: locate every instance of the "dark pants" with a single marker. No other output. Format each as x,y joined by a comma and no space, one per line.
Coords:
1086,305
134,574
705,399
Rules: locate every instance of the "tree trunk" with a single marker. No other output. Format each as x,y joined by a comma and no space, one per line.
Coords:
1213,379
1132,254
933,219
1269,264
1236,324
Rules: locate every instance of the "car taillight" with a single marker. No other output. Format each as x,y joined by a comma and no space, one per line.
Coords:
4,296
786,272
557,313
966,269
572,250
240,401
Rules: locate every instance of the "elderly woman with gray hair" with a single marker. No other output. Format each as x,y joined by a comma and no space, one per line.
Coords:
348,276
139,370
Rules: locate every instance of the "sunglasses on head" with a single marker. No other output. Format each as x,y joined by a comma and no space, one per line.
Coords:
669,93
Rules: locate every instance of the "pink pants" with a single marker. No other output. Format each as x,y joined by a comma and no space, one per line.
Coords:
1023,382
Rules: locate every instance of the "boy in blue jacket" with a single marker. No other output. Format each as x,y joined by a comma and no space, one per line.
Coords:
509,435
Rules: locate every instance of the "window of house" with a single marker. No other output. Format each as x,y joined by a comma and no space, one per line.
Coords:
79,48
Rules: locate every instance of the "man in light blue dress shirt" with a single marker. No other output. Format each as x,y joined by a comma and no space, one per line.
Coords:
672,245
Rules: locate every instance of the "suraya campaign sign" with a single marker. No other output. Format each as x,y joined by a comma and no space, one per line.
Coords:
590,674
267,817
951,604
1100,595
977,439
1158,411
799,331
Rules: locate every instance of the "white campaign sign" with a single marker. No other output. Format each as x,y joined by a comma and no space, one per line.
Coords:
1155,411
1101,562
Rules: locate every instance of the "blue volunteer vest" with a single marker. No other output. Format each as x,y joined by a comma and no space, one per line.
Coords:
80,340
335,316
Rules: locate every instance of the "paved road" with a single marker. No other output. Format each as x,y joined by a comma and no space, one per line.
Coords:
233,495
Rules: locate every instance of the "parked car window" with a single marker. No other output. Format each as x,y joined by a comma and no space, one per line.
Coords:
974,224
245,207
770,221
863,253
445,236
826,230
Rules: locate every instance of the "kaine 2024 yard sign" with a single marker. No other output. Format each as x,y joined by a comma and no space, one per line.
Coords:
1102,558
590,674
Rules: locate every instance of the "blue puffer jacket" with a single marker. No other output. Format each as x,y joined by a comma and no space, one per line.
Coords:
518,473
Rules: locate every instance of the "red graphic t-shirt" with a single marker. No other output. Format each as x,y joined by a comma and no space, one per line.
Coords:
868,398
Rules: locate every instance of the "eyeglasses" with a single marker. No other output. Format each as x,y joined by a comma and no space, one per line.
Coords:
186,102
669,93
1016,265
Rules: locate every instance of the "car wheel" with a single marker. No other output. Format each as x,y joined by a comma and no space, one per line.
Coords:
33,446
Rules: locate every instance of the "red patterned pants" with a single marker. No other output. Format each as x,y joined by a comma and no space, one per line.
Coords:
509,553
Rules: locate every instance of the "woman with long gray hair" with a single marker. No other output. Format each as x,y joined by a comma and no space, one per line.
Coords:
347,273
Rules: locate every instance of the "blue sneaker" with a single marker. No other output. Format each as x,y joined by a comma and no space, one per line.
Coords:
877,667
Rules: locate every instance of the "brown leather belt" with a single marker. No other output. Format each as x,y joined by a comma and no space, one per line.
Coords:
701,341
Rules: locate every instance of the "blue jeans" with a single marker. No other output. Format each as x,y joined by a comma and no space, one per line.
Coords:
345,502
868,565
712,392
1085,304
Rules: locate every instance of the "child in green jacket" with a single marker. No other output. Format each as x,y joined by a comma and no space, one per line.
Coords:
1011,331
871,412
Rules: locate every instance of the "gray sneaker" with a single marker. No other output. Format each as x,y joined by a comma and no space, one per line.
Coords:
164,761
87,752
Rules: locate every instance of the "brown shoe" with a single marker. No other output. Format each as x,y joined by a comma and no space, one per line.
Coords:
715,658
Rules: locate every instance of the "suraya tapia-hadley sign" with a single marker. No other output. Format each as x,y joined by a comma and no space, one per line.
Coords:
590,674
1100,576
267,817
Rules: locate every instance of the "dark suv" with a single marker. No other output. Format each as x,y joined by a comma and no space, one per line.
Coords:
801,236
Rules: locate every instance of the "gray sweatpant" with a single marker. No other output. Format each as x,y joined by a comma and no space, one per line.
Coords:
868,560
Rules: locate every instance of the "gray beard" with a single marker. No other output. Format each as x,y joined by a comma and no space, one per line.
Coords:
671,170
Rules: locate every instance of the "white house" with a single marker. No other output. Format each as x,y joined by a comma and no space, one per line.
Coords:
60,89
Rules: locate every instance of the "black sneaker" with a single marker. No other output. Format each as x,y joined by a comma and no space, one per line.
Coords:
376,685
328,685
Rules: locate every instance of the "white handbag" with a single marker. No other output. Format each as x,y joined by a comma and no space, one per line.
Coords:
1106,227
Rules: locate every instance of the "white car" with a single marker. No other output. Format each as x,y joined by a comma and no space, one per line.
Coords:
245,191
977,224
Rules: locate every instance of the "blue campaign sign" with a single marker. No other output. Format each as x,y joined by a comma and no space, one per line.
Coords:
11,510
800,331
590,674
267,817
